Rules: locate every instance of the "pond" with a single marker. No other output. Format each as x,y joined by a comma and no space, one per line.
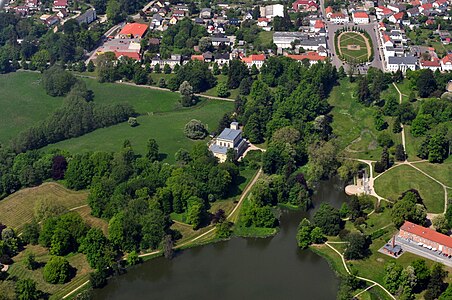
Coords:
272,268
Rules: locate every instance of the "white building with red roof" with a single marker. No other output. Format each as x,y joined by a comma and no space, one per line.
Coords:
328,12
312,56
133,30
339,18
32,4
254,59
432,64
360,17
427,238
263,22
396,18
59,4
446,62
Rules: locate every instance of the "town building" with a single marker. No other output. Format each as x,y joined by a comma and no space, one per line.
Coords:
401,63
87,17
271,11
446,62
122,48
229,138
133,30
360,17
59,4
339,18
254,59
427,238
312,57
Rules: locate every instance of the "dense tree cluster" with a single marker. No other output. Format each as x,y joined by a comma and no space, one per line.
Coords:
197,74
328,219
415,278
307,234
409,207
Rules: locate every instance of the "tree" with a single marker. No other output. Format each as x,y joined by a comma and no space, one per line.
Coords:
168,245
436,283
216,69
400,154
421,124
447,293
384,139
57,270
26,290
222,90
195,212
406,113
157,69
115,12
30,261
358,246
58,82
30,233
364,95
440,224
393,277
237,71
45,208
426,83
39,60
407,209
133,258
187,95
396,126
391,107
317,236
438,148
422,273
59,166
90,67
304,234
167,69
195,130
380,123
98,250
245,86
328,219
152,150
162,83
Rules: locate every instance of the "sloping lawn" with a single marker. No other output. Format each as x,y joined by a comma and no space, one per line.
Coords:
394,182
166,128
442,172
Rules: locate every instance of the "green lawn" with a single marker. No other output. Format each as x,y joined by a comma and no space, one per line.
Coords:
144,100
265,37
23,102
442,172
352,38
399,179
167,128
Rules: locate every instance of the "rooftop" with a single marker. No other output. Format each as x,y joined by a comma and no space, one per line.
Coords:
134,29
229,134
427,233
406,60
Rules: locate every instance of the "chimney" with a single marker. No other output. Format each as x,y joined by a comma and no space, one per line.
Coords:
393,241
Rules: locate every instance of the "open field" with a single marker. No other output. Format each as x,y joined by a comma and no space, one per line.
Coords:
353,123
442,172
18,208
394,182
166,128
354,46
77,261
412,144
23,102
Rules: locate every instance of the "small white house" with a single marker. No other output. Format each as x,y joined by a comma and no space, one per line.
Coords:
229,138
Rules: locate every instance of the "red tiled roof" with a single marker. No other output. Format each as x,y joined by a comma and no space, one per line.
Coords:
427,233
386,37
415,2
312,55
197,57
134,29
427,6
319,24
329,9
134,55
447,59
263,20
337,15
60,3
254,57
430,63
360,15
398,16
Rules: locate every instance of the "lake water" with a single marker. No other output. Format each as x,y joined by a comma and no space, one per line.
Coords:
272,268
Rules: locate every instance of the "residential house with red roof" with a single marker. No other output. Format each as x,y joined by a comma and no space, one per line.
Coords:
339,18
254,59
446,62
425,8
312,56
427,238
432,64
383,12
360,17
59,4
396,18
263,22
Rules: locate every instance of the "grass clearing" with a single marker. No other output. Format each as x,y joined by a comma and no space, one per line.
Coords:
23,103
353,123
394,182
57,291
166,128
442,172
412,144
18,208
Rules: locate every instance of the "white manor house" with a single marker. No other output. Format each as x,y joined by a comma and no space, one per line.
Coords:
229,138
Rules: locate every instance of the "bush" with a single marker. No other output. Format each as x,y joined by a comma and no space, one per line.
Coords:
98,279
58,82
379,167
57,270
132,122
195,130
384,140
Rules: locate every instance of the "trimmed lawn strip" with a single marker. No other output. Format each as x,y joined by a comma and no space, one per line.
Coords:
394,182
166,128
412,144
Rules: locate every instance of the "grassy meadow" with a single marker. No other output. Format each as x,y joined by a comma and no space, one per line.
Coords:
394,182
166,128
